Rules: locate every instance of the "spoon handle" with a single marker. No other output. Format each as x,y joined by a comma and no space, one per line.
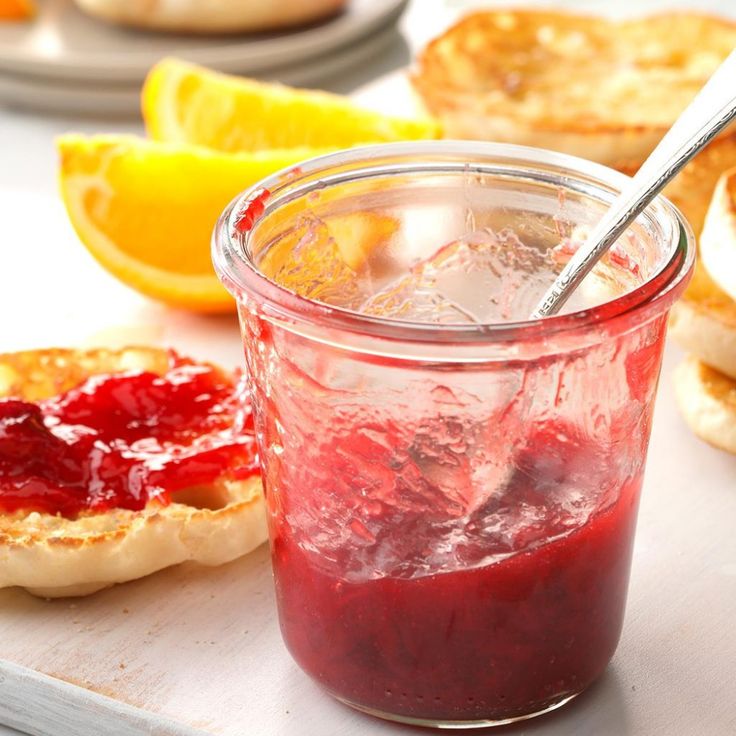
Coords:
713,109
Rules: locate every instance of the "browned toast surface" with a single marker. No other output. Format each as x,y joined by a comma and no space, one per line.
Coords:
580,84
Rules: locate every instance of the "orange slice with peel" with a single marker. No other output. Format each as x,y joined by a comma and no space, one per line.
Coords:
190,104
17,9
146,210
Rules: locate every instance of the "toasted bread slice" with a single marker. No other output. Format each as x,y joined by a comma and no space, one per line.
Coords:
703,322
718,239
212,16
53,556
584,85
707,400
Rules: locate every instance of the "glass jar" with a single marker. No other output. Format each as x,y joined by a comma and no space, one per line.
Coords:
451,506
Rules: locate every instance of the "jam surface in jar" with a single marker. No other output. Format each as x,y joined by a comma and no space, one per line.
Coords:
119,440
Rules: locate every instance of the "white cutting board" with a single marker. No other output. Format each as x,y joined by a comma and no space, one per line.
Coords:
198,651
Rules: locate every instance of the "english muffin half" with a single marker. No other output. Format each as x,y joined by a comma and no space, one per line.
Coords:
703,322
692,190
707,401
54,555
718,239
580,84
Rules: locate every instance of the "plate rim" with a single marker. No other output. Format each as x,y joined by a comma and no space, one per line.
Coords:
360,20
120,102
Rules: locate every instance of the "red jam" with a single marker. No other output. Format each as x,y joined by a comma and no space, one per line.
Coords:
488,642
119,440
252,210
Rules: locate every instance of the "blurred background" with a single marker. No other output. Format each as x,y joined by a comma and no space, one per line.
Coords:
65,70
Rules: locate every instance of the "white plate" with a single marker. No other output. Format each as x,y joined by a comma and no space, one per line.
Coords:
88,98
63,43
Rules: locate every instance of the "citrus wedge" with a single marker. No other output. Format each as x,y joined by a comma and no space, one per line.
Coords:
190,104
17,9
146,210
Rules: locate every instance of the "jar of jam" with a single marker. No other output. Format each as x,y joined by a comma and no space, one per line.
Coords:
452,488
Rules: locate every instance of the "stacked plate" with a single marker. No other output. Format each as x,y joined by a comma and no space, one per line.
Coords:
64,61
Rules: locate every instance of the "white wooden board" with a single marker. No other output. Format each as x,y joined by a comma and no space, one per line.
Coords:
198,651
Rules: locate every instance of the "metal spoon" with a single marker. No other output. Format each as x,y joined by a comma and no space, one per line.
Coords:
713,109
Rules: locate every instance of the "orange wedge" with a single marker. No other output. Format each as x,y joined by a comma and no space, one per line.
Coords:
190,104
146,210
17,9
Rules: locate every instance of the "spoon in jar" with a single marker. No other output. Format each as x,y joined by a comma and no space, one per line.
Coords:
713,109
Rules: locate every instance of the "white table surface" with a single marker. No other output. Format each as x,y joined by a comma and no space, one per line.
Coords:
675,670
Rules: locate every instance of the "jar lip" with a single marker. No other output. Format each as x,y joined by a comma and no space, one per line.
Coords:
238,273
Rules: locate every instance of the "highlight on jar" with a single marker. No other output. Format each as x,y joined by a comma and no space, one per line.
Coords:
452,488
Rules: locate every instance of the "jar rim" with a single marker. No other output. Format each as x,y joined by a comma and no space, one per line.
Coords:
240,274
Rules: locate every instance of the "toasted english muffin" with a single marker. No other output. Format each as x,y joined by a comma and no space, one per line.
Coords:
54,556
211,16
718,239
692,190
707,401
703,322
580,84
